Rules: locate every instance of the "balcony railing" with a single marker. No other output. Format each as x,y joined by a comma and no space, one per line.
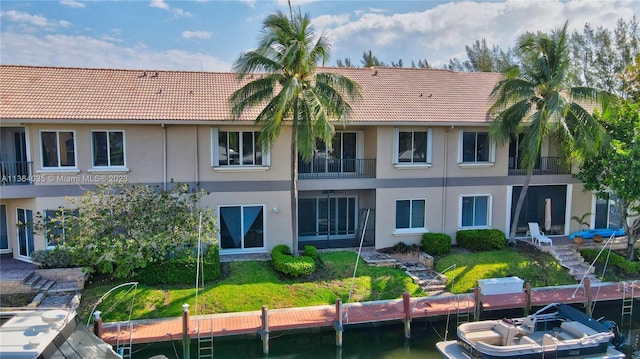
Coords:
337,168
15,173
544,166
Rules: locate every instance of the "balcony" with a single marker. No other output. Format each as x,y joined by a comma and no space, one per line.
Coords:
544,166
15,173
319,168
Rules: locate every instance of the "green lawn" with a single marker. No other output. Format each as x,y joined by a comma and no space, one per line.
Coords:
247,286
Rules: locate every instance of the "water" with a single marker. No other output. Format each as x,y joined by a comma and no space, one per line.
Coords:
371,342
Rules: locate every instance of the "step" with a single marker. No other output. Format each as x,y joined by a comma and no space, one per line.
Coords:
31,279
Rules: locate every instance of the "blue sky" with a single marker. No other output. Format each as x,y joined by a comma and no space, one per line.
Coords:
210,35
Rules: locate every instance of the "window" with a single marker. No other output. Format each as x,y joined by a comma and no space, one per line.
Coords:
412,147
237,148
58,149
607,214
241,227
55,225
476,147
475,211
108,148
410,213
326,217
4,233
25,232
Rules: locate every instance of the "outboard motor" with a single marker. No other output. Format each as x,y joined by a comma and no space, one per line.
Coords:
618,338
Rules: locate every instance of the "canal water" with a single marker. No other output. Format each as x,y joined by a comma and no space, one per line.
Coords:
384,341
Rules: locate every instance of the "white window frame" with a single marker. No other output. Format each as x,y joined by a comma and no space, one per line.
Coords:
492,151
122,167
489,211
396,148
266,156
59,168
243,250
411,230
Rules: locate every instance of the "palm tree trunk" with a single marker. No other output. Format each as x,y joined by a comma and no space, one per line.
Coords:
516,214
294,189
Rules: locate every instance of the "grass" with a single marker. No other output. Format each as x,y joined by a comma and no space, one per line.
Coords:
247,286
538,268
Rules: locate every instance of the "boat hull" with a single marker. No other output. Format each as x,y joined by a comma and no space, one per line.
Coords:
453,350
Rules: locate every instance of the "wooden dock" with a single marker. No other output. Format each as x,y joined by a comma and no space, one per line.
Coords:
338,316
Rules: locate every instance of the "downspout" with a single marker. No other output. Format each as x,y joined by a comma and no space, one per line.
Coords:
164,156
444,178
195,155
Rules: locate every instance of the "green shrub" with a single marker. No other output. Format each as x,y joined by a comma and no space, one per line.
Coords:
284,263
312,252
182,269
401,247
436,243
481,239
614,260
58,257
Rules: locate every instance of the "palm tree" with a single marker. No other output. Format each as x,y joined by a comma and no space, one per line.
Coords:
535,100
290,90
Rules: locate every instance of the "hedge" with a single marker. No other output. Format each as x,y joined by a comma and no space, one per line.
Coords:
481,239
614,260
182,270
284,263
436,243
58,257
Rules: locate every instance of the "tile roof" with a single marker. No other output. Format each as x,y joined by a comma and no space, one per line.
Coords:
390,95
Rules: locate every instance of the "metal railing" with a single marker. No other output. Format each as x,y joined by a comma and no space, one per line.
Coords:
319,168
543,166
15,173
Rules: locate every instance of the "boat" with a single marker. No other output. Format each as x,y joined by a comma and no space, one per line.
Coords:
555,331
49,333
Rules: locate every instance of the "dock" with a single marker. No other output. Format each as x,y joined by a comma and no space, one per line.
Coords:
338,316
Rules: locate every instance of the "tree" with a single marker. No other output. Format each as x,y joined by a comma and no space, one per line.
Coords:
481,58
346,63
370,60
120,228
617,167
292,90
534,99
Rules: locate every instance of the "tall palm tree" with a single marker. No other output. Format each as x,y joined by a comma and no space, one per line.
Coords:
535,100
291,91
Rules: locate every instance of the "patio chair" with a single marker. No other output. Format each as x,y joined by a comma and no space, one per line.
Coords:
537,236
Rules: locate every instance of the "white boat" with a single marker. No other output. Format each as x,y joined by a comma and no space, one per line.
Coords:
555,331
44,334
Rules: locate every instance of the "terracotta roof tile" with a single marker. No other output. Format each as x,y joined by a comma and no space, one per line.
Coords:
82,94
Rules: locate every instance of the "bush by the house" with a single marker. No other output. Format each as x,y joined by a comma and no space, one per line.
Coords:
311,251
614,259
284,263
58,257
436,243
182,269
481,239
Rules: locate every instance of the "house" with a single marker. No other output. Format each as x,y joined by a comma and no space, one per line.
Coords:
416,157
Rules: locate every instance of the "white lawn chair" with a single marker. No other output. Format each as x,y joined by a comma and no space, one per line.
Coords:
537,236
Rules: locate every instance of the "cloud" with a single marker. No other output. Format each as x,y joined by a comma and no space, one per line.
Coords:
83,51
25,18
160,4
441,32
199,34
72,3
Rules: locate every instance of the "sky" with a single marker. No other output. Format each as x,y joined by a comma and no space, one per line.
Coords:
203,35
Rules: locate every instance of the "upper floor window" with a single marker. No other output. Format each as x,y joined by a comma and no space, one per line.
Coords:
410,213
476,147
237,148
58,149
475,211
108,148
412,147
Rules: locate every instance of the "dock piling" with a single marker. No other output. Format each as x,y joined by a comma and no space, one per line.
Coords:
337,323
264,331
587,293
478,304
406,301
186,340
527,293
97,324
